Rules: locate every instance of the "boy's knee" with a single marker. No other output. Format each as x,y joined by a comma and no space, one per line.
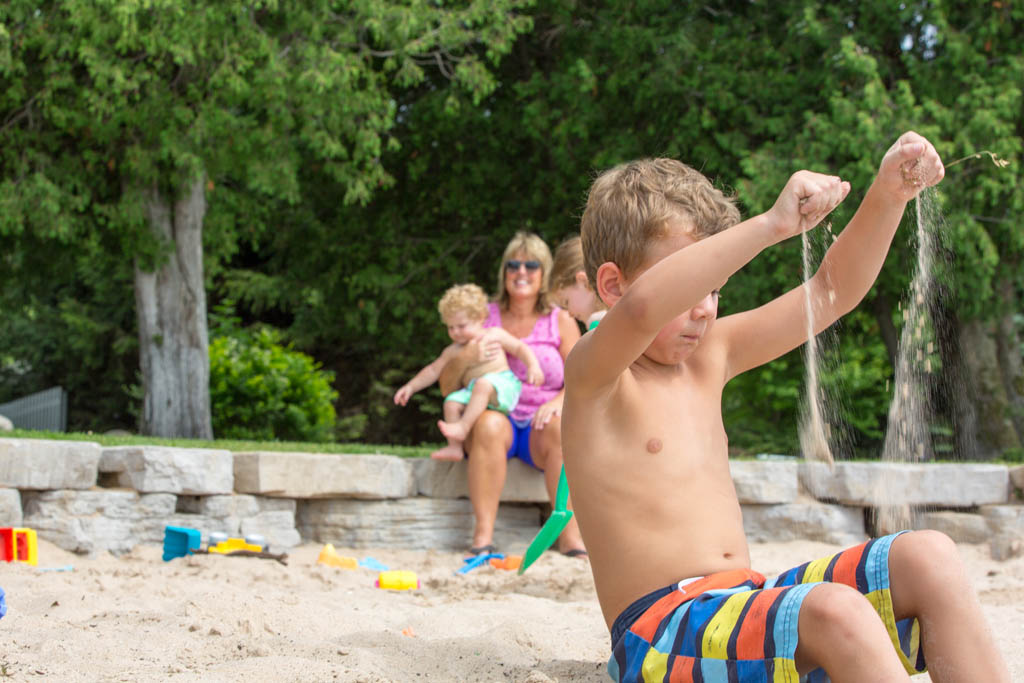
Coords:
840,630
920,557
833,609
933,543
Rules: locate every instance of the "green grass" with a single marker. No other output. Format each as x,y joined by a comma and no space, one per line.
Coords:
422,451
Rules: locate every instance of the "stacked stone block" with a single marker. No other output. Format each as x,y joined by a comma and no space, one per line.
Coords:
85,498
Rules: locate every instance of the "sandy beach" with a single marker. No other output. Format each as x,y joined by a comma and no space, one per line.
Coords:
214,618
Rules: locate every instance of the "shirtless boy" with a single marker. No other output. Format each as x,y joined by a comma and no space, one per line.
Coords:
646,451
486,383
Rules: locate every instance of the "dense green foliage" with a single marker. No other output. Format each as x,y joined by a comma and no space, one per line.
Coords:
261,390
746,92
110,107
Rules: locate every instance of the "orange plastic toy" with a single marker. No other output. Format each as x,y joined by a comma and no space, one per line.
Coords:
510,562
331,558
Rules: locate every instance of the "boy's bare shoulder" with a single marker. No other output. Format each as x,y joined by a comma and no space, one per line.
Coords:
577,373
450,352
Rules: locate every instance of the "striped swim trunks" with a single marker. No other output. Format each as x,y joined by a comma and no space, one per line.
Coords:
736,626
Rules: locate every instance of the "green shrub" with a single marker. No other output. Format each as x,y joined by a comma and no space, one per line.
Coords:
260,389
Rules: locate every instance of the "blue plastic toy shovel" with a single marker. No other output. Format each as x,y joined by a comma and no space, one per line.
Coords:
554,525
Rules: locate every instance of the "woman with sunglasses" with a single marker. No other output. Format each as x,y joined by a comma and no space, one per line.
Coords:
532,431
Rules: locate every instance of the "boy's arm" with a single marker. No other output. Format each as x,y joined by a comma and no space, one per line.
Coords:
848,269
425,377
640,308
520,349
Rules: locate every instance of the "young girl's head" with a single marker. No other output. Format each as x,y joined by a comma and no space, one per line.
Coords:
569,286
463,309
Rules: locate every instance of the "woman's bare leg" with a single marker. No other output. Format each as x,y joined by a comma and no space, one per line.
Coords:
488,443
927,580
546,452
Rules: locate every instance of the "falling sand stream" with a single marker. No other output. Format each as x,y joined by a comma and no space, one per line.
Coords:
907,436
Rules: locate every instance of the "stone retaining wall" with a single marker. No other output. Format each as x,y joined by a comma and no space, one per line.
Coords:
87,498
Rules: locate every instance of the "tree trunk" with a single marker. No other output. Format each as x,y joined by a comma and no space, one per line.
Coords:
882,310
1008,351
171,308
996,431
955,394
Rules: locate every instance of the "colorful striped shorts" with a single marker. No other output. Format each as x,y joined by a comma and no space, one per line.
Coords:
737,626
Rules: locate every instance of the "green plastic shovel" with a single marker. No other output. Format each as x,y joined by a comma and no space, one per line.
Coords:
554,525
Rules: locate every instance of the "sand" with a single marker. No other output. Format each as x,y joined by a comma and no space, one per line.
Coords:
211,618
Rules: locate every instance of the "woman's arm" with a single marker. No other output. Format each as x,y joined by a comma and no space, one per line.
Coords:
518,348
569,331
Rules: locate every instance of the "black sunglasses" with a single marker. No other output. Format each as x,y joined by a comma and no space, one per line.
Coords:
512,265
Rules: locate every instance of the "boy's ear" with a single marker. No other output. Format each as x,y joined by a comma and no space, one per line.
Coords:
611,284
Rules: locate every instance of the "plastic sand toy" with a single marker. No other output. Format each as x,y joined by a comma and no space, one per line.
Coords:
509,562
398,580
233,545
554,525
179,541
18,544
330,557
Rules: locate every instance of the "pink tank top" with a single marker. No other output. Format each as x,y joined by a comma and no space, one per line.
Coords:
544,339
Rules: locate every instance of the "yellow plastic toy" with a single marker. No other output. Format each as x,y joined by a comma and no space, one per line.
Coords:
232,544
331,558
18,544
397,580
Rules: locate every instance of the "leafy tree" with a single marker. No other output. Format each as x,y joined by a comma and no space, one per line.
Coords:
749,93
746,92
170,126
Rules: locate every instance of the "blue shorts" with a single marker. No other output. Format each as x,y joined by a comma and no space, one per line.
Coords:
520,442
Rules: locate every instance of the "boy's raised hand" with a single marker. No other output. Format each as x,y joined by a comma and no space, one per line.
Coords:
910,165
805,200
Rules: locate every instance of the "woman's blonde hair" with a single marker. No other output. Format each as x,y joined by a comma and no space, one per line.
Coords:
468,299
535,249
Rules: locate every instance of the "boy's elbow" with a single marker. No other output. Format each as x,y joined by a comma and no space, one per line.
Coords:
845,303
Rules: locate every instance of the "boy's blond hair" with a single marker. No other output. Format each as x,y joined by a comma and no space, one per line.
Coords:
568,261
631,205
535,248
468,299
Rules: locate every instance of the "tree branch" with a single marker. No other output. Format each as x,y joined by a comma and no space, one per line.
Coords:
24,112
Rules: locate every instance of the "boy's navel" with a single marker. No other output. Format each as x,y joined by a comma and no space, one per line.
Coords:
654,445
